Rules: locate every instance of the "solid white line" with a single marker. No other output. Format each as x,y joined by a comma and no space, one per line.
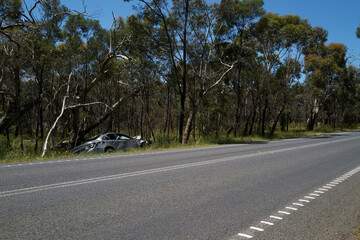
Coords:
287,213
276,217
268,223
257,229
291,208
245,235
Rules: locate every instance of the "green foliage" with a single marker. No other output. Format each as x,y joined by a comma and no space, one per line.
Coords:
172,54
10,9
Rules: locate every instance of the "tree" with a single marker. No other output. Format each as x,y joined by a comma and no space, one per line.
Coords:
235,24
282,41
325,71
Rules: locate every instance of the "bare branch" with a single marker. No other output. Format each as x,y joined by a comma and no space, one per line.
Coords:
86,104
58,118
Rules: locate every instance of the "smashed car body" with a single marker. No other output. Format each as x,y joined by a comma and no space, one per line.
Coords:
110,142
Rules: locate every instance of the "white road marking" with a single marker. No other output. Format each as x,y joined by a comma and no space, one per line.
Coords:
298,204
331,185
257,229
324,188
336,183
287,213
309,197
268,223
195,149
245,235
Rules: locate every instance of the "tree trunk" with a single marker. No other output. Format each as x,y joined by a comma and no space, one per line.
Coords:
252,122
238,102
80,135
312,116
264,117
188,126
184,77
282,107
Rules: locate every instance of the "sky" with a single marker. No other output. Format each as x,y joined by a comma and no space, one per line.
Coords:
339,18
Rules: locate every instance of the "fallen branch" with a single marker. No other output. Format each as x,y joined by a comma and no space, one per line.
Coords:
58,118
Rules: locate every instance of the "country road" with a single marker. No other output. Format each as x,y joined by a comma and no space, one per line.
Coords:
306,188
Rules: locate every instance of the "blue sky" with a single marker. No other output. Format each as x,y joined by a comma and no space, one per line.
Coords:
339,18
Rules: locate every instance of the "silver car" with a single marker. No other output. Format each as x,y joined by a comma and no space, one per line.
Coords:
110,142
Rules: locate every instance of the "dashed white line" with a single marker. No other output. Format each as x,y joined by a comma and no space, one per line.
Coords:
308,197
283,212
331,185
268,223
257,229
338,181
245,235
298,204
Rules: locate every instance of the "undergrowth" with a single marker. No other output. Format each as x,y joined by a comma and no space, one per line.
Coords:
14,153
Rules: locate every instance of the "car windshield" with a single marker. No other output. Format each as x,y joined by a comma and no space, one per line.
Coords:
103,137
112,136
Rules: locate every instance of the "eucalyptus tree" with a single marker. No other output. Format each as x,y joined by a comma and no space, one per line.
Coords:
171,25
325,74
91,51
282,42
24,34
235,22
207,66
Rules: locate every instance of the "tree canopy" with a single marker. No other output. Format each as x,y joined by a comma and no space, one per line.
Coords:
176,71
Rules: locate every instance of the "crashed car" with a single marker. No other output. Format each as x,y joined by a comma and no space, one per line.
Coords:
110,142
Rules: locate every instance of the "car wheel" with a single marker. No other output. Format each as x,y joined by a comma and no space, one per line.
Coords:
109,150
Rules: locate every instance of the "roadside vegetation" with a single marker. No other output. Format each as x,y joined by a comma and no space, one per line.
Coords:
356,233
13,152
181,73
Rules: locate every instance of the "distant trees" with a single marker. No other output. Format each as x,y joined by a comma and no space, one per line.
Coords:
178,70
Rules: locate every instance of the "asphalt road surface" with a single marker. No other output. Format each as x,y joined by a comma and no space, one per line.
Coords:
307,188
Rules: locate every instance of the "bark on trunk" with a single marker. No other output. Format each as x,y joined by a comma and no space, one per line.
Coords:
188,127
310,123
281,109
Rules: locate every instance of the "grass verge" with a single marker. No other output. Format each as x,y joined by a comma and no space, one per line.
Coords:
13,153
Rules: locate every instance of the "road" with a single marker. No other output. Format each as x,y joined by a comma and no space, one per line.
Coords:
306,188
